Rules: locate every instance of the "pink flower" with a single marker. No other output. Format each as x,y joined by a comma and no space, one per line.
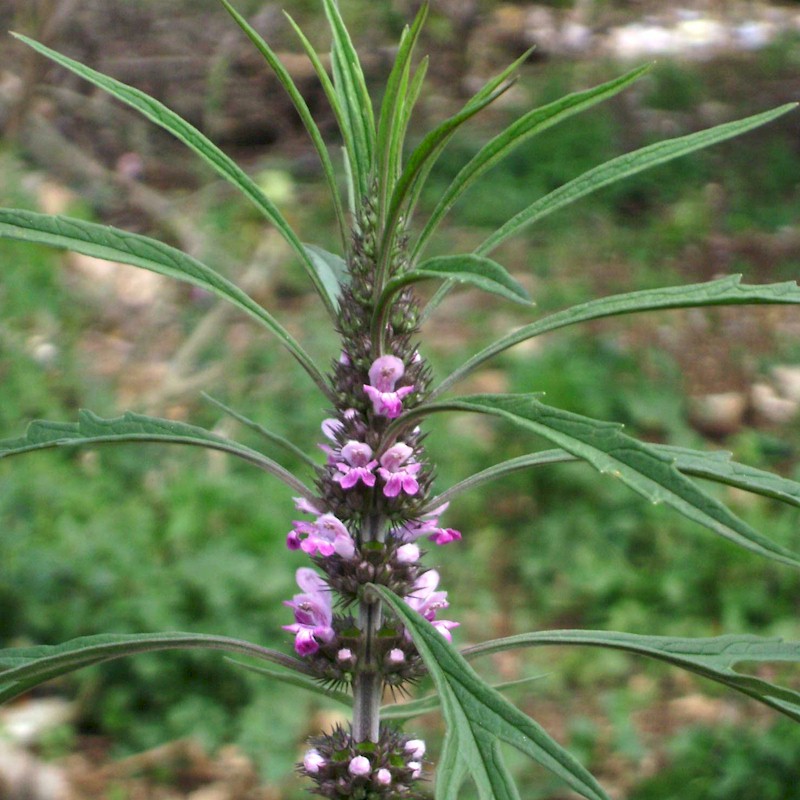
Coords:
383,375
313,613
360,766
359,465
383,777
428,526
397,474
427,601
312,761
415,748
326,536
407,553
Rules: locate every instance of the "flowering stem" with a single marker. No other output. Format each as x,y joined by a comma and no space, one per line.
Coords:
368,682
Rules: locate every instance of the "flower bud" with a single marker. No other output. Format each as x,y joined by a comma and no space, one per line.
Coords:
360,766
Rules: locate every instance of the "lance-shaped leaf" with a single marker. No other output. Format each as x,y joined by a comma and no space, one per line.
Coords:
478,718
91,429
465,268
158,113
332,271
298,679
23,668
302,109
528,125
103,241
715,466
724,291
624,166
713,658
612,452
431,702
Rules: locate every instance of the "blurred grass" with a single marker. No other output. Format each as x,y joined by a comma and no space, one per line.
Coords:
145,539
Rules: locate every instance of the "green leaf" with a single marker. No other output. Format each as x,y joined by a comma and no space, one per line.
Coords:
530,124
271,437
478,718
25,667
297,679
303,111
91,429
624,166
102,241
724,291
158,113
713,658
354,99
431,702
466,268
640,466
332,271
714,466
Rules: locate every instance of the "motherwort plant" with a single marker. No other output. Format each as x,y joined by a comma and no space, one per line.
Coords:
370,615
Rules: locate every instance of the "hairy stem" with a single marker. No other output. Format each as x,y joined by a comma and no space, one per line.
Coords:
368,681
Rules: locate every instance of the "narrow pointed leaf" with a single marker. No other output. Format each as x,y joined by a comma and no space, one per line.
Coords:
103,241
158,113
271,437
528,125
624,166
91,430
724,291
23,668
640,466
298,679
302,109
482,273
332,272
478,718
714,466
713,658
431,702
352,92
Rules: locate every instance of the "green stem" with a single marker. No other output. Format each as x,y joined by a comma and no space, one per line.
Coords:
368,682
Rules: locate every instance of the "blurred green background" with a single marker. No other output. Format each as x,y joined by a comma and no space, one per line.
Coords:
144,539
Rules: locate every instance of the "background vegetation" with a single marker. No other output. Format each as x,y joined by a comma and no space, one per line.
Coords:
142,539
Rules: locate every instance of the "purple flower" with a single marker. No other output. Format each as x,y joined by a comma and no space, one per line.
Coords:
312,761
427,601
416,769
396,656
415,748
306,506
407,553
383,375
397,474
428,526
383,777
326,536
359,465
360,766
313,613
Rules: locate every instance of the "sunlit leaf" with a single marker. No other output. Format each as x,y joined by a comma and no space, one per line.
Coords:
637,464
159,114
623,167
478,719
724,291
713,658
103,241
25,667
91,430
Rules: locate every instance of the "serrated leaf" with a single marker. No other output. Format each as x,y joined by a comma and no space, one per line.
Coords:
302,109
25,667
332,271
724,291
715,466
528,125
478,718
482,273
91,429
640,466
713,658
624,166
158,113
297,679
103,241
